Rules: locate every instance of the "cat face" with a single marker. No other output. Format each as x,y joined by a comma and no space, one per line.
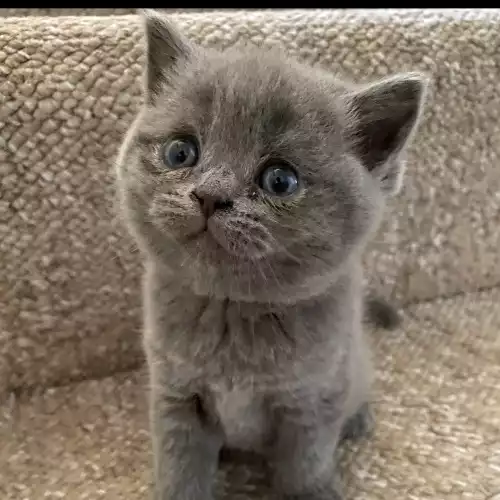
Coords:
253,177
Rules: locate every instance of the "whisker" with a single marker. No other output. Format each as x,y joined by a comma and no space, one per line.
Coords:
270,267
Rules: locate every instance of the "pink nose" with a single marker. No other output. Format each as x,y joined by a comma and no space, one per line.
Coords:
210,203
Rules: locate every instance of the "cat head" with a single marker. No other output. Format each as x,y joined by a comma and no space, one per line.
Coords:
254,177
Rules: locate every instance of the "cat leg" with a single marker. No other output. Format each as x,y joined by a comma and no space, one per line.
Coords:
360,425
185,448
303,453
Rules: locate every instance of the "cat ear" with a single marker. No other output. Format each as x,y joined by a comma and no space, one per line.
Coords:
386,114
166,48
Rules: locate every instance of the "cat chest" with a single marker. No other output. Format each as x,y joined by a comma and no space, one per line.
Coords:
241,415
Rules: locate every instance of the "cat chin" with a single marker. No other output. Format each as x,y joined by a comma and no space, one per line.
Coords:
216,243
210,269
225,250
220,275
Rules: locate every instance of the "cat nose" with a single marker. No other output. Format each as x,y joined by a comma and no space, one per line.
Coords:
211,203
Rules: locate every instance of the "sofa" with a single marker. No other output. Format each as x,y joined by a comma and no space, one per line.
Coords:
73,387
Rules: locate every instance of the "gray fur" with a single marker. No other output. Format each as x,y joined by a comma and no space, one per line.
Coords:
253,316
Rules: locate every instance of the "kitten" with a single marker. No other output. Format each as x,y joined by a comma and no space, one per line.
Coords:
251,184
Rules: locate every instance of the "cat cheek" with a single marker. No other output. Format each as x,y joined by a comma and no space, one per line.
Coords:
176,215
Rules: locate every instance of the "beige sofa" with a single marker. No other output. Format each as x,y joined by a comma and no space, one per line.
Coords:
73,422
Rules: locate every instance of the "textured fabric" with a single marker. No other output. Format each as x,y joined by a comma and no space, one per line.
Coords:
437,400
69,278
20,12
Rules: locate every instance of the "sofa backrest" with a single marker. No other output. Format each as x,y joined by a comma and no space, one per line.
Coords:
69,274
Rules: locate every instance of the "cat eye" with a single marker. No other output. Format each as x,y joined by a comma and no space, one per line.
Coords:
279,180
180,152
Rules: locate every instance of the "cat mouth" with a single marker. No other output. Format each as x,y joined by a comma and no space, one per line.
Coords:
215,232
213,236
205,232
217,238
196,235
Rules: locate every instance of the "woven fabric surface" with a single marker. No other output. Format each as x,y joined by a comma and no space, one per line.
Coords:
69,88
437,398
21,12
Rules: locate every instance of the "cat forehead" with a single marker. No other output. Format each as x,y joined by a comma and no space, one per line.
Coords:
244,88
253,76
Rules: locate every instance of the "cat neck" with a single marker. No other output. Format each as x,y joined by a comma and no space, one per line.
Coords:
340,286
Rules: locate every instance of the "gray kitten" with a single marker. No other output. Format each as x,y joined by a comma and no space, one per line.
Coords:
251,184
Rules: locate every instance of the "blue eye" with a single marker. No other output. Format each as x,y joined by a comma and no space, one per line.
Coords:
279,180
181,152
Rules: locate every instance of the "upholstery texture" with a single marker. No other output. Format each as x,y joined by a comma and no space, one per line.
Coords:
20,12
436,400
69,88
26,11
73,421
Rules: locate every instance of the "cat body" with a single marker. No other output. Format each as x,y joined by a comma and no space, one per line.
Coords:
252,367
245,359
251,183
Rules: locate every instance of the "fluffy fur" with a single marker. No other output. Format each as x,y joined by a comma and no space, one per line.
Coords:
253,309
